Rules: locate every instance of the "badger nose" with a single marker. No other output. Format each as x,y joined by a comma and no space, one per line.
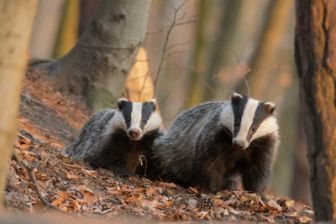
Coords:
134,133
240,143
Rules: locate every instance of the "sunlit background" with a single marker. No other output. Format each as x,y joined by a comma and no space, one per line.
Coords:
199,50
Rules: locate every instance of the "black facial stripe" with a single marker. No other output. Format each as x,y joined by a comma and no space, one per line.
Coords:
147,110
260,115
238,106
127,113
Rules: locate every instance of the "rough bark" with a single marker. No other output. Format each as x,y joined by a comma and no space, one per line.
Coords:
16,20
275,23
97,66
315,51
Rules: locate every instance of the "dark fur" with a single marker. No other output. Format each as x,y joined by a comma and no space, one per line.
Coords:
198,151
114,151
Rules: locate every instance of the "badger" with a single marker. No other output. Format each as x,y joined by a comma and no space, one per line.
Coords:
116,139
216,143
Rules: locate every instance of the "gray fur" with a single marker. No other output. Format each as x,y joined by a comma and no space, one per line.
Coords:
198,151
92,136
104,142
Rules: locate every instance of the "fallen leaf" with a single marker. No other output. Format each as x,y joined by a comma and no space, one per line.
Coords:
274,205
71,176
305,219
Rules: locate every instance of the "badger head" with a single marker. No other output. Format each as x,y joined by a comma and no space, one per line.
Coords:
140,118
252,119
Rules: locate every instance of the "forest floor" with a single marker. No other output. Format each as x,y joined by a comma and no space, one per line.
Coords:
49,120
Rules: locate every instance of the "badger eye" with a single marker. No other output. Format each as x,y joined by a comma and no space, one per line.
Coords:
253,129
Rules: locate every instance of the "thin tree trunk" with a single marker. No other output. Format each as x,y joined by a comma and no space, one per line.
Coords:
300,189
275,23
16,20
46,23
67,34
97,66
230,12
315,51
197,87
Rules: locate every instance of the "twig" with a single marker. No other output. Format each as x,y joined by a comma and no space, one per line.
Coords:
208,86
143,162
172,53
165,44
35,184
143,85
241,69
167,27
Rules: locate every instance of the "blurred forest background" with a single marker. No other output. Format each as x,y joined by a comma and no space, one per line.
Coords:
196,44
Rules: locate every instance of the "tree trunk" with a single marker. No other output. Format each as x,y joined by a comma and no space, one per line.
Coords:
16,20
221,47
97,66
196,86
275,23
46,23
315,51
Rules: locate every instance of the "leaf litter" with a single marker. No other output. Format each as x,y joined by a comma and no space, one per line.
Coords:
77,189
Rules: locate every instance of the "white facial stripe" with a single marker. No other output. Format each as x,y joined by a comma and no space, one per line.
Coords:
268,126
154,122
227,117
136,115
247,120
117,121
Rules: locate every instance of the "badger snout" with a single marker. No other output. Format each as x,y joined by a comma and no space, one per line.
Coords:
134,134
239,143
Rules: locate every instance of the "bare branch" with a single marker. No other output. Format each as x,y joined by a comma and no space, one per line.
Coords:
244,73
172,53
34,181
167,27
143,85
165,44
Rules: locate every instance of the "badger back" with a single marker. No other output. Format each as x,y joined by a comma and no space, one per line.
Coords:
173,151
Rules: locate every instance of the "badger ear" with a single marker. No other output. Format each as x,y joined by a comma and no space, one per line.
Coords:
121,102
153,103
235,98
270,107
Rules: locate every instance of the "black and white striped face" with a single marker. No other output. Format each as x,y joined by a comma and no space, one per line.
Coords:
252,119
140,118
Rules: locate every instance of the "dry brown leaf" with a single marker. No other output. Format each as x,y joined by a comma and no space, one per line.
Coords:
151,191
273,205
168,185
234,211
220,203
73,165
193,190
41,176
58,201
88,196
92,173
305,219
266,218
71,176
289,203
